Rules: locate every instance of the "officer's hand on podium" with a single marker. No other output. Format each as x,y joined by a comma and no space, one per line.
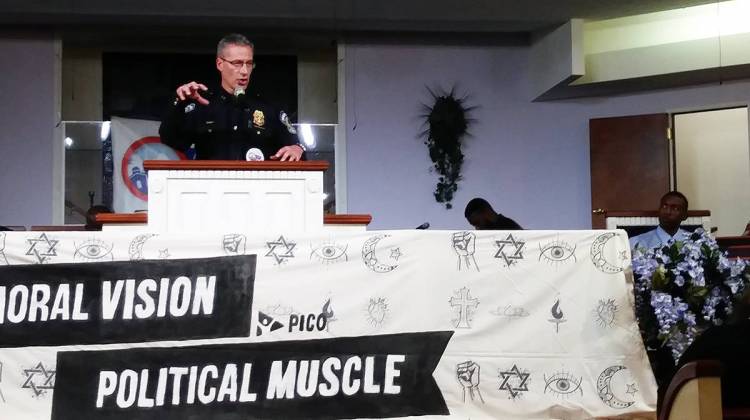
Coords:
191,91
291,153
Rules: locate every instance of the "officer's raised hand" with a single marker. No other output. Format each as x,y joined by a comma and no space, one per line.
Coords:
291,153
192,91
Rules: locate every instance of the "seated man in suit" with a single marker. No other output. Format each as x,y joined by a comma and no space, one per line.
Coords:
672,212
482,216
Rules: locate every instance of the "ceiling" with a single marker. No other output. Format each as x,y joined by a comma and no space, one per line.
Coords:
331,16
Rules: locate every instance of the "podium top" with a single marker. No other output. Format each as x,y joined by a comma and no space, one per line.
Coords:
235,165
652,213
142,218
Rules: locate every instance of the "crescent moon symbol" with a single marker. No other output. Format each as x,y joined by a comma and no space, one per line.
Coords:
604,388
597,254
370,258
135,250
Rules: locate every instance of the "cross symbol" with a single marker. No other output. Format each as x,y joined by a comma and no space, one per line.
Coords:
466,305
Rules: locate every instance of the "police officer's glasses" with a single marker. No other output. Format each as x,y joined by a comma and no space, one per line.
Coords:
238,64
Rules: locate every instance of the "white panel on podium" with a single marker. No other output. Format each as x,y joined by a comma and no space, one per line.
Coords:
236,199
621,219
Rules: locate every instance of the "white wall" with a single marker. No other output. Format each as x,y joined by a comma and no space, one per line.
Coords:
28,87
531,160
713,165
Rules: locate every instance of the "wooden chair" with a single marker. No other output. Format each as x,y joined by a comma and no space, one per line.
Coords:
736,413
736,246
742,251
729,241
694,393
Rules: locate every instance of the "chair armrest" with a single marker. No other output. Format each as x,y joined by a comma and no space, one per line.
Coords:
708,370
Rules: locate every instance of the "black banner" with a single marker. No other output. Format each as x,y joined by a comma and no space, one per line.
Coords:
374,377
126,301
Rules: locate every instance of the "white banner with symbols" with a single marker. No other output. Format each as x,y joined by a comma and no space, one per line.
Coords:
379,324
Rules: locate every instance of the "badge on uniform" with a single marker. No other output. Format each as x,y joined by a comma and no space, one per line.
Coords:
285,120
254,155
258,118
189,108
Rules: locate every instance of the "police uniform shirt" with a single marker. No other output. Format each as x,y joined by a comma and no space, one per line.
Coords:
227,127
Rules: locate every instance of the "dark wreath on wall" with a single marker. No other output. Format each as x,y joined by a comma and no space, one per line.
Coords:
447,123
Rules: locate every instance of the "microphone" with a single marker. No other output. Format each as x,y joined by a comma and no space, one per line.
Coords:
239,92
423,226
254,155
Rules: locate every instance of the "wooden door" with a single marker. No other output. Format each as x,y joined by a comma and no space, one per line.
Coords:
629,164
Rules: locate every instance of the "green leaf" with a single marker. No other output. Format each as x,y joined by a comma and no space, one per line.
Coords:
659,279
698,292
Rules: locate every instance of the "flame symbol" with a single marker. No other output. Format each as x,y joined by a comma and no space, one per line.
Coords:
556,312
327,312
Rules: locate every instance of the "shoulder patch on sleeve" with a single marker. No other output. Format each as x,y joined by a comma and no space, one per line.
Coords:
285,120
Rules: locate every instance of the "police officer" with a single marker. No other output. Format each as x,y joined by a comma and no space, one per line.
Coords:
224,123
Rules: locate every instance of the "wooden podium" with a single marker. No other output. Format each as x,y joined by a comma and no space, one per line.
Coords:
227,196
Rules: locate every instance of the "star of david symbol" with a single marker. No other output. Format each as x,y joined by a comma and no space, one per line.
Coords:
514,381
280,250
39,379
505,251
42,248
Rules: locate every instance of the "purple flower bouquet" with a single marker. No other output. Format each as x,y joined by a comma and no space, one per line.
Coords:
683,288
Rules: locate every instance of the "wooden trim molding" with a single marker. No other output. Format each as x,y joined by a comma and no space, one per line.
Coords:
347,219
58,228
122,218
235,165
142,218
651,213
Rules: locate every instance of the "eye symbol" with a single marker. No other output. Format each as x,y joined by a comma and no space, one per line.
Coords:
329,253
93,249
562,384
557,252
